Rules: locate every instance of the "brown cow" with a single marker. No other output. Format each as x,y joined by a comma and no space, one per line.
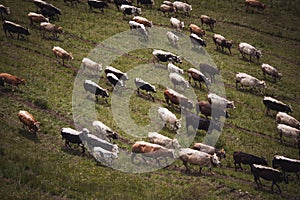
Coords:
197,30
143,20
60,52
28,120
196,75
206,109
255,4
208,21
10,79
177,99
37,18
167,9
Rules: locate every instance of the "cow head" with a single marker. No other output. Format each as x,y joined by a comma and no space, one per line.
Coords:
21,81
258,54
60,30
289,109
215,160
36,127
262,84
177,124
181,26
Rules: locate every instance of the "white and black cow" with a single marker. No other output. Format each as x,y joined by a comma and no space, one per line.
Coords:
95,89
200,123
143,85
97,4
246,158
12,27
133,25
113,79
130,10
197,41
4,11
286,164
119,74
72,136
118,3
273,104
164,56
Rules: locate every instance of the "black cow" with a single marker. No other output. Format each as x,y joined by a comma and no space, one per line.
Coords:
97,4
48,10
197,41
4,10
269,174
273,104
200,123
146,2
209,71
95,89
164,56
71,136
11,27
113,79
143,85
118,3
286,164
245,158
130,10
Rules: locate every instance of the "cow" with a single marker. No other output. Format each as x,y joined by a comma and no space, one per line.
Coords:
119,74
72,136
268,173
169,3
208,21
48,10
288,131
239,76
221,41
95,89
11,80
209,70
249,81
248,159
286,164
29,121
113,79
88,64
196,75
162,140
104,132
12,27
177,99
208,110
37,18
247,49
51,28
61,53
147,149
217,100
196,157
176,23
143,85
104,156
118,3
164,56
274,104
143,20
168,118
167,9
221,153
255,4
181,6
97,4
133,25
172,38
130,10
146,2
197,41
271,71
178,80
283,118
4,11
196,30
174,69
200,123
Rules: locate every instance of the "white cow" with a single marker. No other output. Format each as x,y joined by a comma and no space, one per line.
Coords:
288,131
186,8
271,71
162,140
174,69
169,118
173,39
283,118
176,23
178,80
219,101
91,65
103,131
247,49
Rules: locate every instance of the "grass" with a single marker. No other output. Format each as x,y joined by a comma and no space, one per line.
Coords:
40,167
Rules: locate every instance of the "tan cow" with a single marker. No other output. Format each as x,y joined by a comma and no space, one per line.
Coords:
197,30
28,120
61,53
37,18
10,79
51,28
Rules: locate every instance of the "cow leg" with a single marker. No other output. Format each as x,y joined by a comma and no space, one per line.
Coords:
67,144
186,166
257,181
82,147
11,35
138,91
274,183
240,166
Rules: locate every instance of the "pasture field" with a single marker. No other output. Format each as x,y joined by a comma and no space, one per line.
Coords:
41,167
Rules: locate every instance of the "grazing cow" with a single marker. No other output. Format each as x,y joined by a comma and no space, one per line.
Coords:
146,2
61,53
209,71
172,38
91,65
177,99
47,9
273,104
268,173
11,80
97,4
147,149
249,81
288,131
248,159
210,150
130,10
119,74
239,76
197,30
178,80
174,69
29,121
181,6
37,18
162,140
247,49
255,4
104,132
221,41
72,136
168,118
95,89
104,156
197,41
143,20
206,109
218,101
271,71
118,3
4,10
200,123
208,21
286,164
196,157
164,56
12,27
176,23
140,27
143,85
196,75
51,28
283,118
167,9
113,79
169,3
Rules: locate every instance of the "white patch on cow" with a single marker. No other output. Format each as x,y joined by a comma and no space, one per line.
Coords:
278,157
265,167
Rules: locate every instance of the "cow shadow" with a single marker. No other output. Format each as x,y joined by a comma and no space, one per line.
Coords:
29,136
75,151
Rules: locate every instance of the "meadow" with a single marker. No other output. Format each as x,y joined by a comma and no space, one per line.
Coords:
41,167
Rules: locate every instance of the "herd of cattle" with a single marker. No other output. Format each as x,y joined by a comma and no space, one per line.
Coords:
100,142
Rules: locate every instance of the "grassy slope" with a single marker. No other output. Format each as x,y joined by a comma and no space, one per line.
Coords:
40,167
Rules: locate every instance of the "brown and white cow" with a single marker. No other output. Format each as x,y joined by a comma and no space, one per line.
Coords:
29,121
208,21
37,18
51,28
61,53
177,99
197,30
11,80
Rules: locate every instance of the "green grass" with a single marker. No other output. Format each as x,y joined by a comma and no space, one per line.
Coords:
40,167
